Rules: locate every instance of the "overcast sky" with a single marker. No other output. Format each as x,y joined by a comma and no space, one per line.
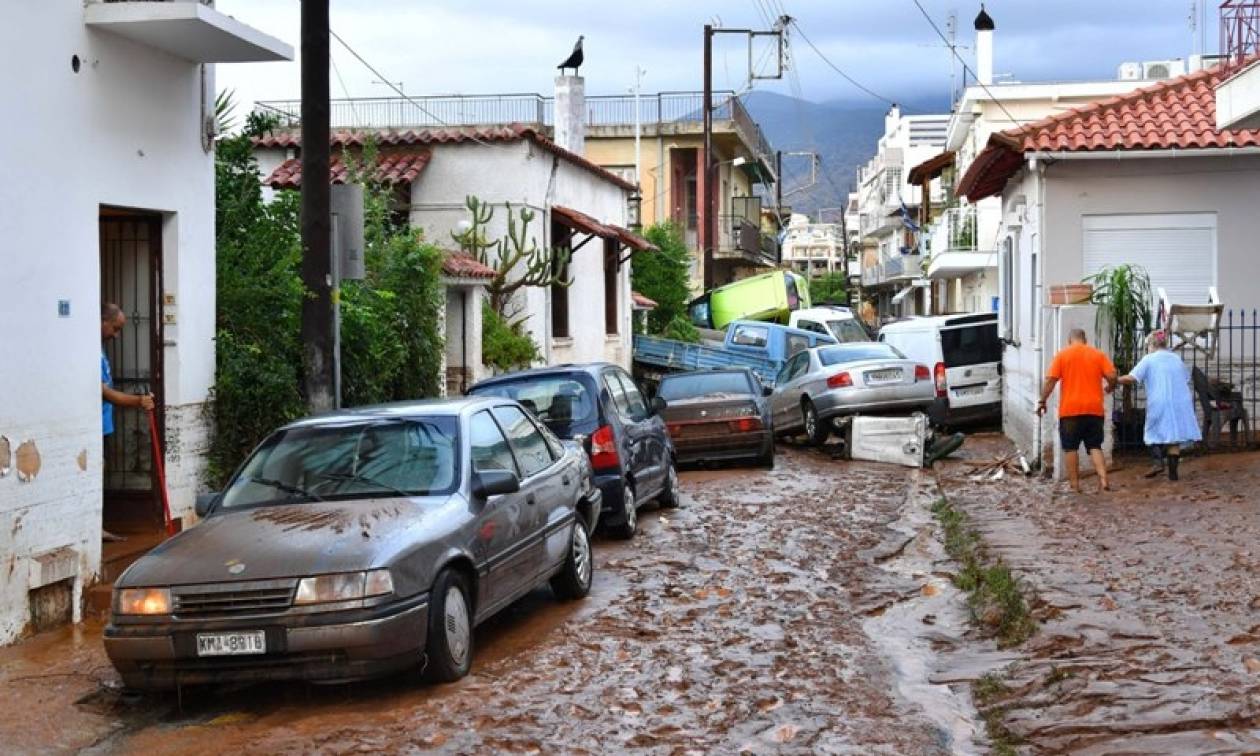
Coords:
485,46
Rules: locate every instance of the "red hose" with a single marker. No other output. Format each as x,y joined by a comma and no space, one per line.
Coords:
160,465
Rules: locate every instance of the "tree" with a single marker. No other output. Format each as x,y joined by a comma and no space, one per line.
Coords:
665,278
829,288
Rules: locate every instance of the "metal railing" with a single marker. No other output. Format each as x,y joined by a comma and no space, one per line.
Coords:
1234,369
903,266
954,231
433,111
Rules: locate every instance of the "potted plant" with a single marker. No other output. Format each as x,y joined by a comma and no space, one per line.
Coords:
1123,297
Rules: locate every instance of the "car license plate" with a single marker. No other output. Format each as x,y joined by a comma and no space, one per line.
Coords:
883,376
969,391
231,644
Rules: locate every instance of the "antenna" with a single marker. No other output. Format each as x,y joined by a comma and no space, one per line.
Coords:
952,46
1240,30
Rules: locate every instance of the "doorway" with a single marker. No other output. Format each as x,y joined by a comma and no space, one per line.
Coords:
131,277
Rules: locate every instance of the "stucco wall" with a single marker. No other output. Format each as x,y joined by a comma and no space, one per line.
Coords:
526,176
123,131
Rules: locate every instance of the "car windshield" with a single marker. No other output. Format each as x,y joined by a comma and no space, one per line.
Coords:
971,345
847,331
556,400
704,384
873,350
350,460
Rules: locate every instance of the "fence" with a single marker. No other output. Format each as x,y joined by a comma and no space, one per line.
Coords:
1235,367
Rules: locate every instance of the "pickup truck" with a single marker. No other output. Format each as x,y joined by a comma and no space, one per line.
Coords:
761,347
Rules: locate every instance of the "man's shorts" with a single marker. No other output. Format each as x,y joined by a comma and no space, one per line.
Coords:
1081,429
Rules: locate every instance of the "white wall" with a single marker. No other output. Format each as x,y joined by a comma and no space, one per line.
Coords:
524,175
124,130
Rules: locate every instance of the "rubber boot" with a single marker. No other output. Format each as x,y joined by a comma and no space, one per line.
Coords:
1173,460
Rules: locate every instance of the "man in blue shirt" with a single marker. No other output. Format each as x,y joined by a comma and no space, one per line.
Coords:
112,322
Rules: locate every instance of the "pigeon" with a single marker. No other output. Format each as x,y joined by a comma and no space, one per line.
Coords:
574,60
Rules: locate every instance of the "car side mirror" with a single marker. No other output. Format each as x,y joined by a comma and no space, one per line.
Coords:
204,502
658,405
767,391
487,483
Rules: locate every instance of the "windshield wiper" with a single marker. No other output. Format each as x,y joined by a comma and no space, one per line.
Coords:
288,488
361,478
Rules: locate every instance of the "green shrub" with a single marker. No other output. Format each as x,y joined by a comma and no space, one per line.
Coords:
504,346
829,288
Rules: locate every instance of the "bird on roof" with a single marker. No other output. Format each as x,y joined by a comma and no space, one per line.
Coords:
575,58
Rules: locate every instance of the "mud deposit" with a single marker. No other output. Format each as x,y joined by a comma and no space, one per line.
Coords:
732,624
1148,601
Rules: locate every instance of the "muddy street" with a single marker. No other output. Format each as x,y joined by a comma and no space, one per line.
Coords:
742,621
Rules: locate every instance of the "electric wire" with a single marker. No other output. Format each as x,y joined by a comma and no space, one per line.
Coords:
839,70
354,112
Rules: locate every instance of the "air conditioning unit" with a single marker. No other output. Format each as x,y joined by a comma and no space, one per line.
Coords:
1163,69
1130,71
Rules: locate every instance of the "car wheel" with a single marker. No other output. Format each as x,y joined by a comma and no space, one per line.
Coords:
450,644
629,513
814,430
574,579
669,497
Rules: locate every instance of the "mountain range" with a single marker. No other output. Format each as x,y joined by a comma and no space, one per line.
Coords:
843,133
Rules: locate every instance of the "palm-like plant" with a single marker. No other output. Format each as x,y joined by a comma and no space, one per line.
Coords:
1123,297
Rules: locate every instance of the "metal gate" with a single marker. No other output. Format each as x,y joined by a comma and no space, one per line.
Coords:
131,277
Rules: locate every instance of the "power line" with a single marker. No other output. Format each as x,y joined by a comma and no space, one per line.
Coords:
354,112
839,70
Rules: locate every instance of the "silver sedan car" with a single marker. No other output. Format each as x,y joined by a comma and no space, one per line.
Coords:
818,385
359,543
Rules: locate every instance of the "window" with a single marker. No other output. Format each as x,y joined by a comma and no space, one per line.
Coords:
611,289
634,397
562,238
629,405
797,343
753,336
846,331
554,399
527,443
971,345
489,448
812,327
800,364
1007,274
845,353
691,385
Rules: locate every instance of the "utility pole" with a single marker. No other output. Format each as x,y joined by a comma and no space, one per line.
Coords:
707,190
316,219
778,197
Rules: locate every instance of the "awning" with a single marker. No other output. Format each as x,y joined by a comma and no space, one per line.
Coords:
905,290
642,303
460,265
930,168
634,241
580,221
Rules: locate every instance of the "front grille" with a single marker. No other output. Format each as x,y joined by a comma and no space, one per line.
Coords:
231,601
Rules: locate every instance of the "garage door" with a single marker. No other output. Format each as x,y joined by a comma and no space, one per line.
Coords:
1178,250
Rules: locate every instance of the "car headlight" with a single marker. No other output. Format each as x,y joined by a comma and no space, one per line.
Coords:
345,586
143,601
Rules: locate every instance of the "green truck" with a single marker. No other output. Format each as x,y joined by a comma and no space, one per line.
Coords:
769,297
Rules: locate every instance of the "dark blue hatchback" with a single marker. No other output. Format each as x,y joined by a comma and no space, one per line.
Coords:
601,405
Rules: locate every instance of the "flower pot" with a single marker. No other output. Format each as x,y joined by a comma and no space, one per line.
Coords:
1070,294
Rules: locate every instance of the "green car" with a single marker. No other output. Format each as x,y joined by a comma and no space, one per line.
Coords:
768,297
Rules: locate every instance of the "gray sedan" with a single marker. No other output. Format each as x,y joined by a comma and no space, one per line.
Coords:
821,384
360,543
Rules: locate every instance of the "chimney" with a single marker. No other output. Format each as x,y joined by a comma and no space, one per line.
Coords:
570,113
984,47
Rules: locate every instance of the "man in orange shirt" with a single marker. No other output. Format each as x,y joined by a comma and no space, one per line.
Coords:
1082,370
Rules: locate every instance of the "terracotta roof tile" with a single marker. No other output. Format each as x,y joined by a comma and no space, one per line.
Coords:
460,265
1176,114
395,168
447,135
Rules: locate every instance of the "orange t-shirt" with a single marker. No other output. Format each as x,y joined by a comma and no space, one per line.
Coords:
1080,369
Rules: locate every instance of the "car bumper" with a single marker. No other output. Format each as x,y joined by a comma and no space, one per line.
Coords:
344,646
612,506
943,414
833,404
714,448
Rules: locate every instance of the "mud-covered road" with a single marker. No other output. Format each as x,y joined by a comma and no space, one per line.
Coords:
734,623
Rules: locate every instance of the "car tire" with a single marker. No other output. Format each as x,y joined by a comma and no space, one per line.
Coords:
450,644
669,497
814,430
573,581
625,530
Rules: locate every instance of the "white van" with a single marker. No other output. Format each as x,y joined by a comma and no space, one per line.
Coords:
966,358
837,322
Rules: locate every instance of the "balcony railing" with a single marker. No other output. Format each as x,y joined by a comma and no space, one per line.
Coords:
954,230
739,238
902,266
494,109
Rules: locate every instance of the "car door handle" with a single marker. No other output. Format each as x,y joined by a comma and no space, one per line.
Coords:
530,500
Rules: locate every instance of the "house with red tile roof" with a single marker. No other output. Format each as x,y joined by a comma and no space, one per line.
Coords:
1145,178
577,205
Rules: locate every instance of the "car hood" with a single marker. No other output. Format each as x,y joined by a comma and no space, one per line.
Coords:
289,541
